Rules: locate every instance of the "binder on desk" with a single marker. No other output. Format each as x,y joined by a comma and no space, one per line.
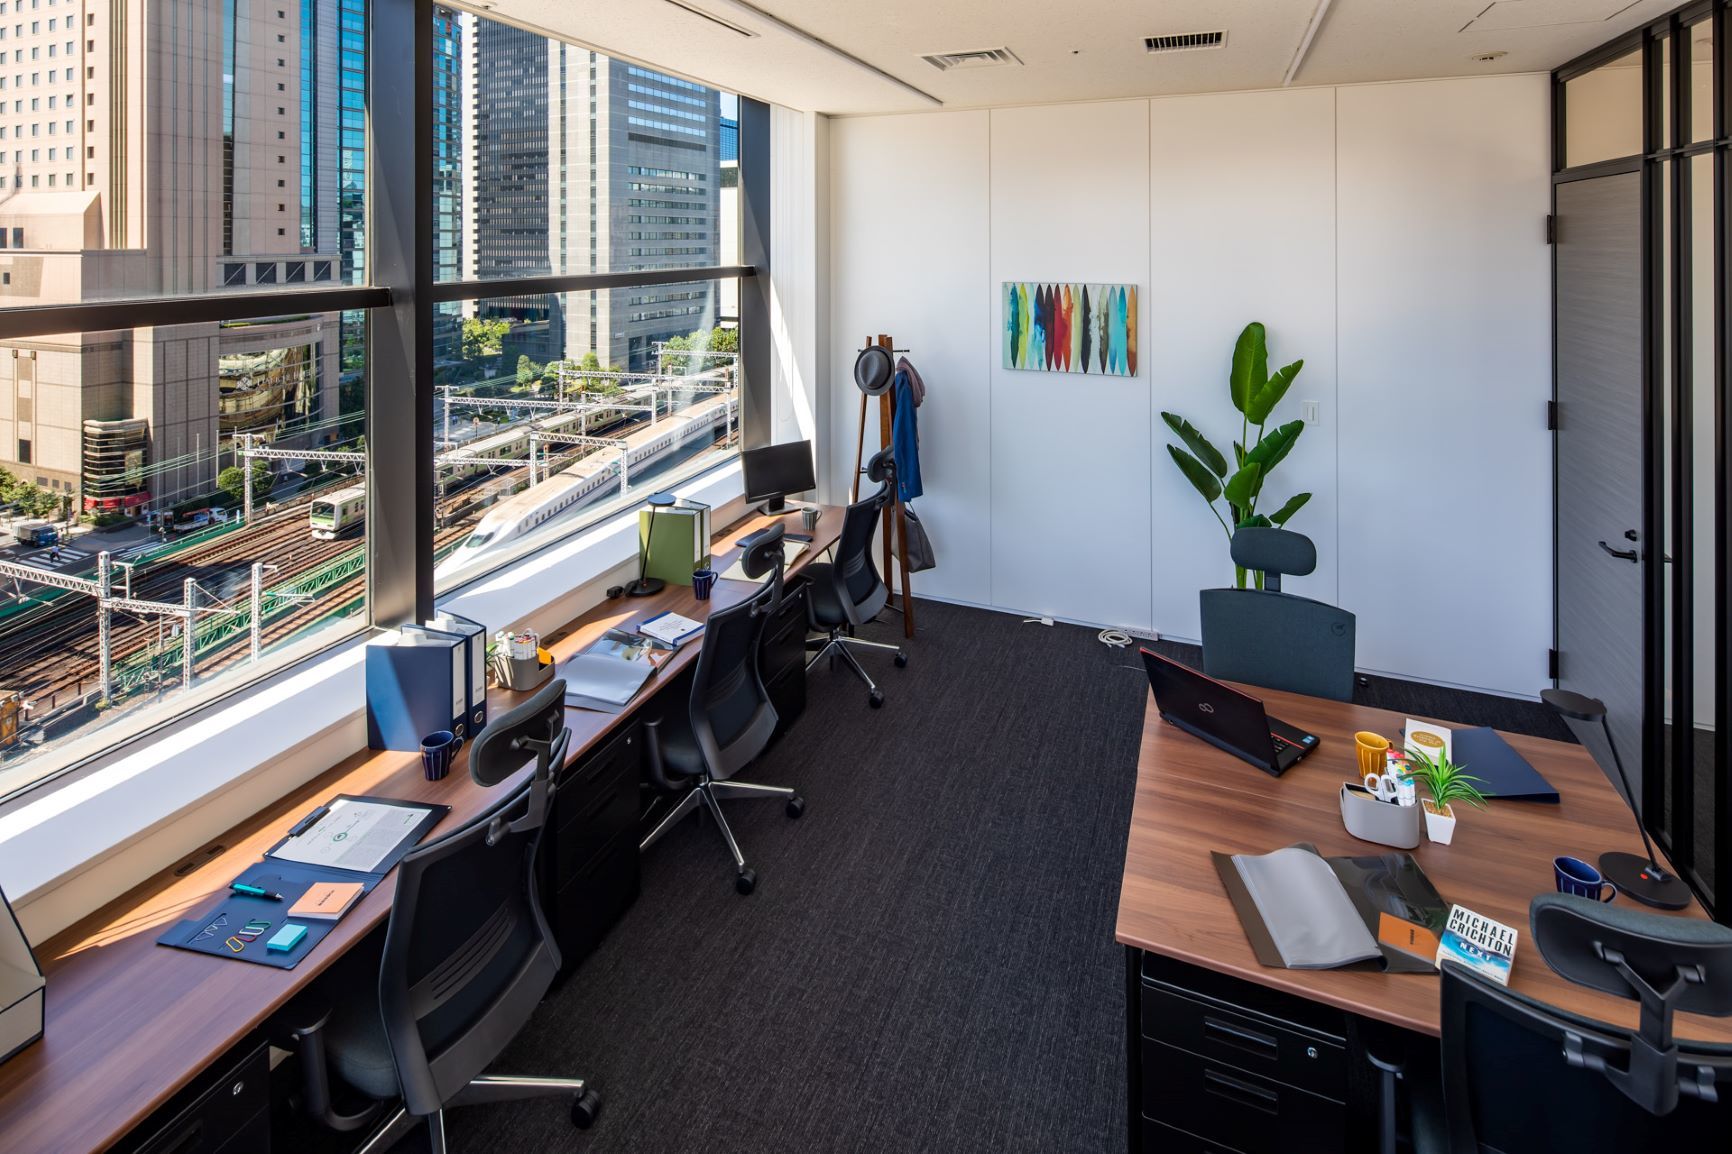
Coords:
681,543
417,684
475,650
21,986
343,836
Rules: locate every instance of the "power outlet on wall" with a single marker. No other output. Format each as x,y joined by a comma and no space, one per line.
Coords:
1308,412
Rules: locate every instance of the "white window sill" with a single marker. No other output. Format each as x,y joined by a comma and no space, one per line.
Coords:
71,846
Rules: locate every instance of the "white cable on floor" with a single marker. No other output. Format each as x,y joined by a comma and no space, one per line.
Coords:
1115,638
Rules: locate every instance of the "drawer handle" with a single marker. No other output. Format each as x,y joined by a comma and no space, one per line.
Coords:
1241,1093
1250,1041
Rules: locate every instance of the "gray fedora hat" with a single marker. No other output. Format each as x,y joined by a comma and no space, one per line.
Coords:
873,370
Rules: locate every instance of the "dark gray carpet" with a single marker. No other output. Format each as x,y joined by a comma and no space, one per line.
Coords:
928,963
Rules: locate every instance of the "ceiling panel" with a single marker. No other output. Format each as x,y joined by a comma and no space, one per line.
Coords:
1081,50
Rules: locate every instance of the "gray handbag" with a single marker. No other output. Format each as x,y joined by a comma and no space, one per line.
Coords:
920,555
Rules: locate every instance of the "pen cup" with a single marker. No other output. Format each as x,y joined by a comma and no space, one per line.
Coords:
703,580
809,518
437,750
1373,750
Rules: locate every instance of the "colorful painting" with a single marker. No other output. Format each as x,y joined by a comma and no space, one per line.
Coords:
1071,328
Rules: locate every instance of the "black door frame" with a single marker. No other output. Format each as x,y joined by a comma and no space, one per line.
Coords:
1669,151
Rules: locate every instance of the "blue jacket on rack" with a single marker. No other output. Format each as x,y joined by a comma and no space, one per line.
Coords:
905,439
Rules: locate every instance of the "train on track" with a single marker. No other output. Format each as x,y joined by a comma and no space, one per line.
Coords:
333,514
519,515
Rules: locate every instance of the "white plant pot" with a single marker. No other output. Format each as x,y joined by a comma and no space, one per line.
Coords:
1439,824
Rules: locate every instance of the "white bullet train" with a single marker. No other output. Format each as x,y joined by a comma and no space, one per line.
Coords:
523,513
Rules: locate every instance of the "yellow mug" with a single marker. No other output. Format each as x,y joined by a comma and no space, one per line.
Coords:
1373,751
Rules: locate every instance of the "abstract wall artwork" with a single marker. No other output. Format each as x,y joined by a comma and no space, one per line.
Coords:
1071,328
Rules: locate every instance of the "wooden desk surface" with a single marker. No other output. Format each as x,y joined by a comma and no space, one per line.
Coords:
1193,799
130,1022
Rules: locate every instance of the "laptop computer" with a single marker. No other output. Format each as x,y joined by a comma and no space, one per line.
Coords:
1224,717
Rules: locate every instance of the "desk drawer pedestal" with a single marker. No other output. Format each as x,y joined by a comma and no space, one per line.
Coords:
590,871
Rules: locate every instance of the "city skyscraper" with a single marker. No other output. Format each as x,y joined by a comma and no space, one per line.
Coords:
183,146
579,163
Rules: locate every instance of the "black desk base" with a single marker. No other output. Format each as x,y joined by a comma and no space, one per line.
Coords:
1224,1066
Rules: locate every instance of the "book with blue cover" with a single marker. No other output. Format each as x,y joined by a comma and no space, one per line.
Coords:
1478,943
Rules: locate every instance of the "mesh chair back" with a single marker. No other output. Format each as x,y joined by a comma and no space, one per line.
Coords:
1508,1086
863,592
1278,641
731,714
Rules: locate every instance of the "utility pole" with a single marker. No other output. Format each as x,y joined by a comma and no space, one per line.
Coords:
187,640
258,581
105,657
445,403
246,479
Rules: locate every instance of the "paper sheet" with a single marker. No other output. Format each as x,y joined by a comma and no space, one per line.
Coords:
353,835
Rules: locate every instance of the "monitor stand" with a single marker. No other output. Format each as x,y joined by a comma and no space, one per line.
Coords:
775,506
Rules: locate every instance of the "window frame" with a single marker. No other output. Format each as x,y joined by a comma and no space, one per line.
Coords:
399,303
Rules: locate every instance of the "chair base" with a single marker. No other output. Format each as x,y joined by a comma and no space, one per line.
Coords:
709,794
399,1123
839,644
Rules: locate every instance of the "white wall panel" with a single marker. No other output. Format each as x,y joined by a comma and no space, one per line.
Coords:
908,250
1445,320
1070,452
1243,229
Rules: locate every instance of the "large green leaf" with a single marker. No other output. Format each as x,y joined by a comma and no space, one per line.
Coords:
1293,505
1241,488
1198,474
1250,366
1256,521
1197,443
1264,402
1274,446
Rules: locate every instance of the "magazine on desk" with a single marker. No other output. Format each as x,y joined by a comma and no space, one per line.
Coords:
607,675
1301,910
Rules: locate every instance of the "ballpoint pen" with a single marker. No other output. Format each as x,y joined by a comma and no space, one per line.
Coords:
254,891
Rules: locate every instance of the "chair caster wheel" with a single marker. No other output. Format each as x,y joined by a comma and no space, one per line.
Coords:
875,699
584,1108
796,806
902,659
746,881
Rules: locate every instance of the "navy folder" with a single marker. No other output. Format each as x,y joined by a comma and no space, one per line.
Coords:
417,684
1503,773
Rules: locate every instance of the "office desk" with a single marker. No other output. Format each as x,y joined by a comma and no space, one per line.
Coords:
1174,917
130,1022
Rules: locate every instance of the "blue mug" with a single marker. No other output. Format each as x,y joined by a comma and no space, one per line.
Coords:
703,580
437,751
1576,876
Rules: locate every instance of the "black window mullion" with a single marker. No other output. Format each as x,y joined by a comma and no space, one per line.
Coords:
1677,574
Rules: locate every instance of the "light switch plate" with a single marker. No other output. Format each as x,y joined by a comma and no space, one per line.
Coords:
1308,412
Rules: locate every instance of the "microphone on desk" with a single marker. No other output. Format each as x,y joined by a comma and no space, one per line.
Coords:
1643,879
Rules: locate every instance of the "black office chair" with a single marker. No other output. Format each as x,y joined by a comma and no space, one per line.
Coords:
845,595
467,957
1275,639
729,720
1520,1075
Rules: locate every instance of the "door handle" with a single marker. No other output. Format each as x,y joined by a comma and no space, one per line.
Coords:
1621,554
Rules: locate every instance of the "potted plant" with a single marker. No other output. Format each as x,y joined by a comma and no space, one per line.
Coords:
1446,782
1255,391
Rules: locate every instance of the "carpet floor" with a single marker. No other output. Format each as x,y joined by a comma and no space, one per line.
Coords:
928,963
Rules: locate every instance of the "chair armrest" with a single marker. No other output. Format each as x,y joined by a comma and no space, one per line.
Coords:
657,769
299,1028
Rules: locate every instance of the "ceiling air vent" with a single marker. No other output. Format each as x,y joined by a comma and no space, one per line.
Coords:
1184,41
712,18
978,58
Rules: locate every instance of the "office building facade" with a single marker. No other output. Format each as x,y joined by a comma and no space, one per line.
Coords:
579,163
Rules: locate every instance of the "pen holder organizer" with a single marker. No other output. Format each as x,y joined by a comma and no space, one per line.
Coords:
1383,822
522,672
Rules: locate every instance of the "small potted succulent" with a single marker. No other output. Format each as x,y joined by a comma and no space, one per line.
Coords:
1446,782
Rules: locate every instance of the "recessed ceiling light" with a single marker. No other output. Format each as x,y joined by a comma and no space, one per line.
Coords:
1487,57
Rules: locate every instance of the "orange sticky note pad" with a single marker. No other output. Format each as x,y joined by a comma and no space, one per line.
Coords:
326,901
1408,937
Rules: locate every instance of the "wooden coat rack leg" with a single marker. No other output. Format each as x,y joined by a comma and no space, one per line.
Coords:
895,543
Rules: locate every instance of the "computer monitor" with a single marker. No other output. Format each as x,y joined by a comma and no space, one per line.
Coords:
777,470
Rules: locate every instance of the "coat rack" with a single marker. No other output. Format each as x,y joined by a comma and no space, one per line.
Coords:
892,512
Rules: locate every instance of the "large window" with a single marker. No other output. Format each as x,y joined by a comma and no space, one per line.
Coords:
213,413
555,408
